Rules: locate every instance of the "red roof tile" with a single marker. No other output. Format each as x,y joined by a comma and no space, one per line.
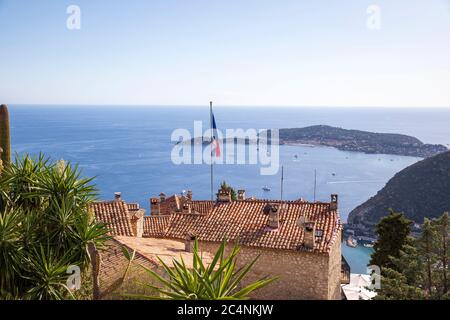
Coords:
202,206
115,215
245,221
154,226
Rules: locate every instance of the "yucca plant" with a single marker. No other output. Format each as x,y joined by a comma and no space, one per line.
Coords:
47,272
45,227
11,250
220,280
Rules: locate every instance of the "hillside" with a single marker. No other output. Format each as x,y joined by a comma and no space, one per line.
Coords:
361,141
420,190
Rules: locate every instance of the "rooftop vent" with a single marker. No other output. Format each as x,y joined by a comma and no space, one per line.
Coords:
189,242
309,237
186,208
309,232
155,208
224,195
117,195
334,202
273,211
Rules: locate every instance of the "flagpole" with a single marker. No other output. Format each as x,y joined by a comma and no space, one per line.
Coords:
211,129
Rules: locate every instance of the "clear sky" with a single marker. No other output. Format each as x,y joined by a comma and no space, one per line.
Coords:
235,52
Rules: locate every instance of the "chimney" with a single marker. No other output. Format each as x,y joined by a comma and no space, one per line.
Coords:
309,229
189,195
162,197
137,222
186,208
241,195
189,242
224,196
155,206
117,196
274,217
334,202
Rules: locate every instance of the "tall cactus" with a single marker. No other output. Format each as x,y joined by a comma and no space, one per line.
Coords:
5,143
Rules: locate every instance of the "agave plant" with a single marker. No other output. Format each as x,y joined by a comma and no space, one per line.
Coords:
220,280
45,227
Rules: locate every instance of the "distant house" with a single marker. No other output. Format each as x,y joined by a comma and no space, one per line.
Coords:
357,289
298,241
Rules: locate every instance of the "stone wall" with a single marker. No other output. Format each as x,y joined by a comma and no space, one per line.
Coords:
334,270
113,265
301,275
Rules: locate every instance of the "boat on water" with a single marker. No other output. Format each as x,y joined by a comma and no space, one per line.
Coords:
351,242
266,188
368,245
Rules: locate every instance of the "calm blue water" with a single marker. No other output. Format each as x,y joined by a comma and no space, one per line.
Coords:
128,149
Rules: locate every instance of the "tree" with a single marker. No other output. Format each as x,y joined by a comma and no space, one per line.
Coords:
410,265
393,233
394,286
426,245
45,227
420,271
225,187
402,282
217,281
442,227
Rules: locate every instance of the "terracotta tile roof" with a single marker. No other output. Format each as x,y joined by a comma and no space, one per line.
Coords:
133,206
180,224
154,226
115,215
202,206
175,202
245,220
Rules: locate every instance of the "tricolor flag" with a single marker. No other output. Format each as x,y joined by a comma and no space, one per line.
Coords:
215,144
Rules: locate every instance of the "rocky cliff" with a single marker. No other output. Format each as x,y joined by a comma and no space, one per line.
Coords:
420,190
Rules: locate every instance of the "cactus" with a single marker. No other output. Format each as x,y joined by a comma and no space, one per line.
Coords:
5,143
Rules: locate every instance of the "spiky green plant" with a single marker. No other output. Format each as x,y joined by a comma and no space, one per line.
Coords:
45,227
220,280
5,143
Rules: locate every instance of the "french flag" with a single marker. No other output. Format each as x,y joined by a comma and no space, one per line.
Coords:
215,141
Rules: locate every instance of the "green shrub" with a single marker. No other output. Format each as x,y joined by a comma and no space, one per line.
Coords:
45,227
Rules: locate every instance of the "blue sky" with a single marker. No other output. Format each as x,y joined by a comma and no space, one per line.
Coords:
235,52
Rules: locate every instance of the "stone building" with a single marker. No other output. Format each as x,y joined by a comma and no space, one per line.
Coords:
297,241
